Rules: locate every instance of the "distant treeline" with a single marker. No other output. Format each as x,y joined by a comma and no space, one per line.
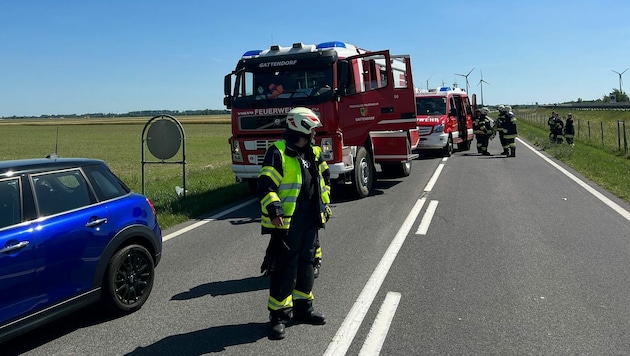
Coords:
594,105
142,113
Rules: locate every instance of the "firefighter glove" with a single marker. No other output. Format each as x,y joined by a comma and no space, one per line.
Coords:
327,212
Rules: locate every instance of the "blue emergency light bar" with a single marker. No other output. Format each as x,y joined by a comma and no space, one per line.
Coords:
445,88
255,52
331,44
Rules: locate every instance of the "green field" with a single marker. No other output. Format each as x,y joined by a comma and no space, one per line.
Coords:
602,129
209,179
599,159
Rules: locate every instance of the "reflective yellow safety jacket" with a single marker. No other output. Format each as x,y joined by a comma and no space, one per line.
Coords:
286,188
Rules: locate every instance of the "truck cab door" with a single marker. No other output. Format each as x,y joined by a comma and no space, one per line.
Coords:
378,96
459,122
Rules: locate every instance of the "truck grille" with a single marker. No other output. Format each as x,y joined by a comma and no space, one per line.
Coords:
273,122
425,130
257,144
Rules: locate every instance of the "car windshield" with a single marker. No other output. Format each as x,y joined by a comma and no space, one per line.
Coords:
431,106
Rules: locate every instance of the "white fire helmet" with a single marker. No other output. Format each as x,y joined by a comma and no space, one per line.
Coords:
302,120
485,111
502,108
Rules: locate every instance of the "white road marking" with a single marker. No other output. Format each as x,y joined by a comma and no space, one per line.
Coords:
616,207
348,329
376,337
434,178
426,219
205,221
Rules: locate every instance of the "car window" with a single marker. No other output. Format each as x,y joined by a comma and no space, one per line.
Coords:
10,209
61,191
105,183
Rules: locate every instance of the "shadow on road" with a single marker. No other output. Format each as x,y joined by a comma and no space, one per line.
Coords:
214,289
89,316
201,342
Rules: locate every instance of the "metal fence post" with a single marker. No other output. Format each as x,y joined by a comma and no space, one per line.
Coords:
625,140
618,135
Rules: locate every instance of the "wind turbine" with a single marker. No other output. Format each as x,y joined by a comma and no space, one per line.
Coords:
620,81
481,81
428,81
466,76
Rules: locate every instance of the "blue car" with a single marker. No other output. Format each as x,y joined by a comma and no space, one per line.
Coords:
71,234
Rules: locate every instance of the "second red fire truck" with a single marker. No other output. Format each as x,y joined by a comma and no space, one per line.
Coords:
364,99
445,119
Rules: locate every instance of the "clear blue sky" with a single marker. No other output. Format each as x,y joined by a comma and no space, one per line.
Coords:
84,56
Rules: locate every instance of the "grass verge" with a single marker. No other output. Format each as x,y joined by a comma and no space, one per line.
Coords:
608,170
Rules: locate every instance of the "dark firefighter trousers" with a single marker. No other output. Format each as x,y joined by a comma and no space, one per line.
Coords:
292,265
482,142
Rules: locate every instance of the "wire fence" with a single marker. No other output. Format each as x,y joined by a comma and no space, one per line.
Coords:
611,135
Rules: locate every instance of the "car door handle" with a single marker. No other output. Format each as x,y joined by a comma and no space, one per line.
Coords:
17,246
96,222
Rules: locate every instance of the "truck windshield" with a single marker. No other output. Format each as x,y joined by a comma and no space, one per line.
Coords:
315,84
431,106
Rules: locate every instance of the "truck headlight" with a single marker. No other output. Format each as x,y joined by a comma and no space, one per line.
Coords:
327,149
237,156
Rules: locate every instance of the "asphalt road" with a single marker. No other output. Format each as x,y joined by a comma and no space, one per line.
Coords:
467,255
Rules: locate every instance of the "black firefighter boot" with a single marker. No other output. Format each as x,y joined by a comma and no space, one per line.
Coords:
513,152
278,319
303,312
506,151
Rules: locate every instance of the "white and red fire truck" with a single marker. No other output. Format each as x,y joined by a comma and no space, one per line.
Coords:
445,119
364,99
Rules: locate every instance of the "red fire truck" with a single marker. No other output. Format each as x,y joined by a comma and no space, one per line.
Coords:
364,99
445,118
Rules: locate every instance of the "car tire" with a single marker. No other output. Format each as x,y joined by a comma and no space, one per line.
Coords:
447,151
128,280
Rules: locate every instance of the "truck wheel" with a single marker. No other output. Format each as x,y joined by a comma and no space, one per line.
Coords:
363,176
447,151
396,170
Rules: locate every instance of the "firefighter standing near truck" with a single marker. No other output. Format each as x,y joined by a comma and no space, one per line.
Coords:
482,128
511,133
290,191
500,127
325,172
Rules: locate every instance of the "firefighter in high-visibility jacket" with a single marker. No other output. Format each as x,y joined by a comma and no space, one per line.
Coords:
325,173
293,209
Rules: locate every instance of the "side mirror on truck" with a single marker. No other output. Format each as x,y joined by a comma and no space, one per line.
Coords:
227,90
